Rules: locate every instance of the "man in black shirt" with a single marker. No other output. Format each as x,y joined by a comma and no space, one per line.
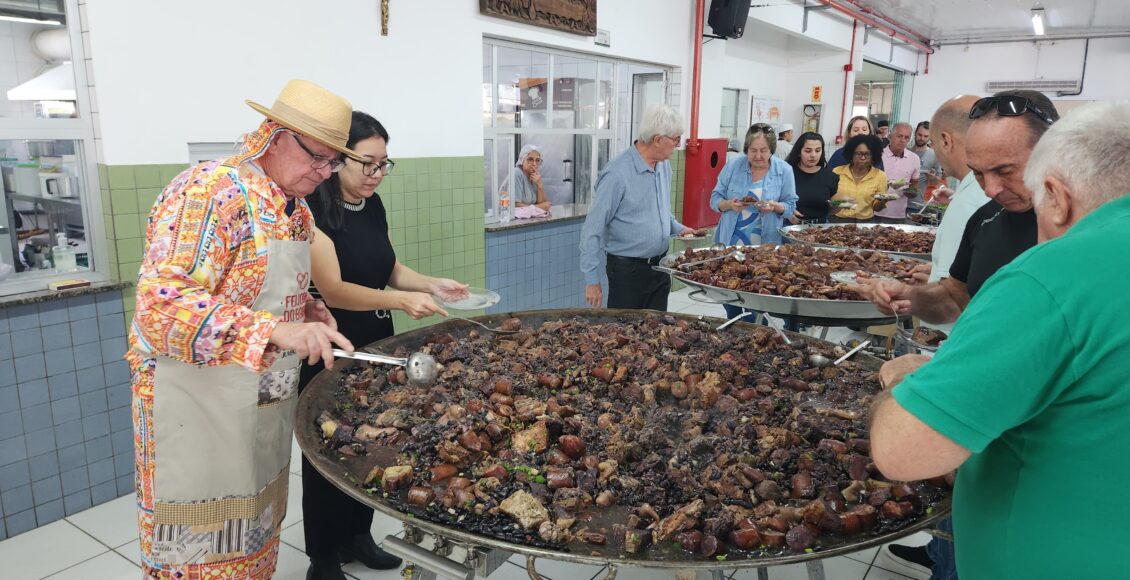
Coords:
1006,127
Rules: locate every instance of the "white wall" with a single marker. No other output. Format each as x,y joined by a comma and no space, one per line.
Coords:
169,73
817,67
965,70
755,63
815,56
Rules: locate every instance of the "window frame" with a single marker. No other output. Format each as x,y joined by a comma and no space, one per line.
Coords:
497,136
83,130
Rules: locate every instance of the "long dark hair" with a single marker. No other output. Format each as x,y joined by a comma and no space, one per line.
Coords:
328,198
874,145
794,154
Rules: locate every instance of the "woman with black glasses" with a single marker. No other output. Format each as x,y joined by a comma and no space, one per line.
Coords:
353,263
860,181
815,183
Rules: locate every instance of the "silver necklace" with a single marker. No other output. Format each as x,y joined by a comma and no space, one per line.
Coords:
353,206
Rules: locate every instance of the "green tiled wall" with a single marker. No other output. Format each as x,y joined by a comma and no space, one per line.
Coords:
678,164
128,192
435,212
435,216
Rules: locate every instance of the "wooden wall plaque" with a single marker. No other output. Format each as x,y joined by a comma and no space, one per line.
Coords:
575,16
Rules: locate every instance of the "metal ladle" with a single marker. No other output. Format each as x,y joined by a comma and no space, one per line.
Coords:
819,361
421,368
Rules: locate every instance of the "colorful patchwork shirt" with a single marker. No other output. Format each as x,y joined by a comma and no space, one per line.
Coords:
206,258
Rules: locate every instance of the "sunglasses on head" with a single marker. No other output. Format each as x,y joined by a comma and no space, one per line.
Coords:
761,128
1008,106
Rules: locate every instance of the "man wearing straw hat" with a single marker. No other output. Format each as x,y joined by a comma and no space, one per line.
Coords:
223,320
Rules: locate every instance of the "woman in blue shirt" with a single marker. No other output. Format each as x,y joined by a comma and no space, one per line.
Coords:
764,177
760,175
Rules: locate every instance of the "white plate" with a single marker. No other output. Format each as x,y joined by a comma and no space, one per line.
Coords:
476,299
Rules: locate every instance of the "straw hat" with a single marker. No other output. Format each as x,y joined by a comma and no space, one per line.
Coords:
313,112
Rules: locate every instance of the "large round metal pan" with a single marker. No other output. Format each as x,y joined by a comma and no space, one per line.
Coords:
816,310
789,233
318,396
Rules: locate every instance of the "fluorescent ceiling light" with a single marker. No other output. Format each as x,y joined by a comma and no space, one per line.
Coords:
30,20
1038,21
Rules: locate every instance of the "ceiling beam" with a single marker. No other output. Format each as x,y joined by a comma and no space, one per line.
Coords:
807,9
997,39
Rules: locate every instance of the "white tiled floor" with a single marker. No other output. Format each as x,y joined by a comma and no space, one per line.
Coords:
102,542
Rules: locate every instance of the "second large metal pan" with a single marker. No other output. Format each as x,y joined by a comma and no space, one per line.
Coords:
789,233
819,311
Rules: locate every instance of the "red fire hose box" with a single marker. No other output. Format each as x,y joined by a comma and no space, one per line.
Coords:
702,168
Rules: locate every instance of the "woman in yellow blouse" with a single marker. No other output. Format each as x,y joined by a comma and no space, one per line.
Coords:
860,181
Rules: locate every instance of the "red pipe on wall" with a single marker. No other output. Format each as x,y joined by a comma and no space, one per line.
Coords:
696,81
860,16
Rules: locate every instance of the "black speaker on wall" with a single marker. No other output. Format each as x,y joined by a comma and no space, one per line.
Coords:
727,17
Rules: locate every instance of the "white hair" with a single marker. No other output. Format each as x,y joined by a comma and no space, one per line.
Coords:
524,153
659,120
1089,150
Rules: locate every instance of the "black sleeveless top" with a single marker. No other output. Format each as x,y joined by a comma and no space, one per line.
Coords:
366,258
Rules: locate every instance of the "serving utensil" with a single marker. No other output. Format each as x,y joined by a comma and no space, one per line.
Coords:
926,202
846,356
732,320
772,323
494,330
421,368
736,254
819,361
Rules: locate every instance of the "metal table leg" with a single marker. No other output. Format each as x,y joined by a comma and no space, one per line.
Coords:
717,575
815,569
762,574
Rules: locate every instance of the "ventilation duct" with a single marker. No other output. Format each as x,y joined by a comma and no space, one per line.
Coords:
1036,85
55,83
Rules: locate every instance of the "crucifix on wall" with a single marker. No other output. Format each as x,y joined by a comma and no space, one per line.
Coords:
384,17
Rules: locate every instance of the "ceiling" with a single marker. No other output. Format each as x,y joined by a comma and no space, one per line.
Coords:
958,21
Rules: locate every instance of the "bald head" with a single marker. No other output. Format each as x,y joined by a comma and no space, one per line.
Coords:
953,115
948,127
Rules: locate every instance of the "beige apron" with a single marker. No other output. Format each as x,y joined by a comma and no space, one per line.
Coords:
222,437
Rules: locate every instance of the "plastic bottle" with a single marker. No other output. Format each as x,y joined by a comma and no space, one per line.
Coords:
62,255
504,207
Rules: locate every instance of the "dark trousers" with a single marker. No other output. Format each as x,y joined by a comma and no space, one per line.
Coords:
632,283
892,221
329,516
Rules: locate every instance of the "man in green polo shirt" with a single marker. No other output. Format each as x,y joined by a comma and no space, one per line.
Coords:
1031,394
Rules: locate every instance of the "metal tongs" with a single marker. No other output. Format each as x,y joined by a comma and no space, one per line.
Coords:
736,254
421,368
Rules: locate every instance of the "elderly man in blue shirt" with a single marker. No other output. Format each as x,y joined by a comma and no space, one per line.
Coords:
631,219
